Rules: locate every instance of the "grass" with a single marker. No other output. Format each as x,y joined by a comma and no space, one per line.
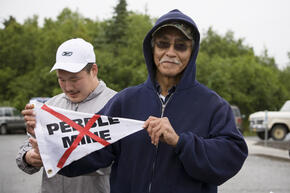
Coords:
247,132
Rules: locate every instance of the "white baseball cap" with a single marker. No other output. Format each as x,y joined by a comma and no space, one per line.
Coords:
73,55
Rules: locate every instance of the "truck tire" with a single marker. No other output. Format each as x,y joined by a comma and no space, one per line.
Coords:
279,132
261,135
3,130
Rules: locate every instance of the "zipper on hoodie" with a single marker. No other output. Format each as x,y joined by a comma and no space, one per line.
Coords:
77,107
163,106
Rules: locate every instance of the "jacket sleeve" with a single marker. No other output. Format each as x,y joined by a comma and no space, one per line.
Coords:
217,158
21,163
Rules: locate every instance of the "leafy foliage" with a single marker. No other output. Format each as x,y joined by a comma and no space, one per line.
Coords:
233,70
117,27
224,64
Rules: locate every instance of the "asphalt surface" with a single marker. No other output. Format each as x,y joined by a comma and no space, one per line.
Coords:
266,170
12,179
260,174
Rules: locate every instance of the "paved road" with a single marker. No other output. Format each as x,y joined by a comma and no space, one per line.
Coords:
13,180
258,175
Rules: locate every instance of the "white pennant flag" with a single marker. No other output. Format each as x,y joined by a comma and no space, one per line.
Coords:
64,136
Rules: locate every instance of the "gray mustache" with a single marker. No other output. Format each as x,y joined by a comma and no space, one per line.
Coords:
175,61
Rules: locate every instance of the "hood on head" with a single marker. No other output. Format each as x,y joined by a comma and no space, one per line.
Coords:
188,77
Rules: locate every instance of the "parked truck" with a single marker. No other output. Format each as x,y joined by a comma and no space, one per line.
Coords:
276,123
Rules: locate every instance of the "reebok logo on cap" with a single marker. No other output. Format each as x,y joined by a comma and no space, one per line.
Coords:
66,53
73,55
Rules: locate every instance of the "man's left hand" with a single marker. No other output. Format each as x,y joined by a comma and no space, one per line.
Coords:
161,129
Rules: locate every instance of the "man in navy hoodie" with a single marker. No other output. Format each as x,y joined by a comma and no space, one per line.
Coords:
190,142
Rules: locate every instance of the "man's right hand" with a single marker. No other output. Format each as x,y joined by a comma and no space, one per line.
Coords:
32,157
29,117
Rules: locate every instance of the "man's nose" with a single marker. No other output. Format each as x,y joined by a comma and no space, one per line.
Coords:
68,85
171,51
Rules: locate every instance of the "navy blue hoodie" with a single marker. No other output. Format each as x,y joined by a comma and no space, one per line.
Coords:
210,149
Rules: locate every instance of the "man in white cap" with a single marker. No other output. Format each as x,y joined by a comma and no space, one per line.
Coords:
76,71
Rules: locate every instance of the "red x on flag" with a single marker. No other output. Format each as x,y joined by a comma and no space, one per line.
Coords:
64,136
83,131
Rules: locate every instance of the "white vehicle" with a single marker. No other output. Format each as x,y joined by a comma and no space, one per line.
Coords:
277,123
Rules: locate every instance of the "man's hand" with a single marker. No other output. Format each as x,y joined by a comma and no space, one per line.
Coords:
161,129
29,118
32,157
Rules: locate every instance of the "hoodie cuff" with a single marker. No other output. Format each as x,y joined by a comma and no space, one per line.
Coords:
180,144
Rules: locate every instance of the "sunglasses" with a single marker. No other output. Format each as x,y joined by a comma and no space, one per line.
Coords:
181,46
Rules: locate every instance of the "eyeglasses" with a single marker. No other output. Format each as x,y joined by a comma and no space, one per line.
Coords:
181,46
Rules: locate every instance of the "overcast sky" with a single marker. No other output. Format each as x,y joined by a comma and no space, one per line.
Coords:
261,23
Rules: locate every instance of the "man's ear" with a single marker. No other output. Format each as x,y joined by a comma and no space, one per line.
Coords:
95,69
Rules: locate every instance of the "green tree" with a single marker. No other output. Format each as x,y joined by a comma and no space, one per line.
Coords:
233,70
16,57
28,53
224,64
117,26
223,46
128,67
